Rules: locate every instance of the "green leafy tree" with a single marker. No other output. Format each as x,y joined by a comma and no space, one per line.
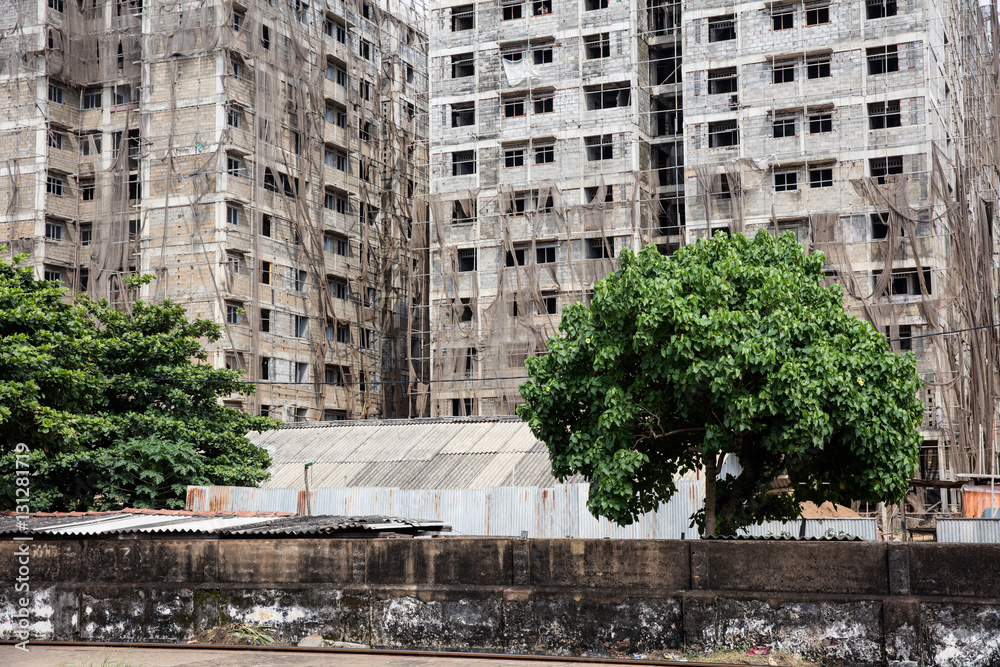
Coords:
116,407
730,346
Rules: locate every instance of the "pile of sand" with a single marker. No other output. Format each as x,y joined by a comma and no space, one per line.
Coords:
827,511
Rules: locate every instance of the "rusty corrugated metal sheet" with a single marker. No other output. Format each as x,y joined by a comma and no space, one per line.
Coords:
977,499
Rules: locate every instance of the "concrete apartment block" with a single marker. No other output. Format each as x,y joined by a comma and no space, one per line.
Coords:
261,160
866,128
540,170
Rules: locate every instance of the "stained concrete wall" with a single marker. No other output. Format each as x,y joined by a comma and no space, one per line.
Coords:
859,603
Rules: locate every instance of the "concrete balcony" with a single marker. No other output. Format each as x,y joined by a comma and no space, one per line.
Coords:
236,187
64,206
333,134
333,91
236,285
64,115
339,396
339,265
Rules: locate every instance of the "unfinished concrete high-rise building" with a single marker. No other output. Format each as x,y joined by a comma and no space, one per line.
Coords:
546,121
869,129
260,159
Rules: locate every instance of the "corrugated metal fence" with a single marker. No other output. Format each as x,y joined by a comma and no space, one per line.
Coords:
555,512
968,530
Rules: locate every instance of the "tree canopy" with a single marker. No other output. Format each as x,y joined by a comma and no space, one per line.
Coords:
730,346
114,406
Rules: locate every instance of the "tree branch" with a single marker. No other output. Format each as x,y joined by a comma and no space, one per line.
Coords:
681,430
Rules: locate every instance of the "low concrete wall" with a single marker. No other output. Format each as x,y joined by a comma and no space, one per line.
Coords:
857,603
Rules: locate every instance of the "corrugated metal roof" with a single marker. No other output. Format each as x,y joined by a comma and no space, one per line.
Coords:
454,453
787,538
216,523
832,528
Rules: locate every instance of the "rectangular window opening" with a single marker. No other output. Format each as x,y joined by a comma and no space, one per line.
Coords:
722,28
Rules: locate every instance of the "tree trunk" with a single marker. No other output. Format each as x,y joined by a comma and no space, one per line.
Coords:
711,472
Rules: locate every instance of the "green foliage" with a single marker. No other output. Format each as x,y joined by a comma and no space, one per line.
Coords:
114,406
732,345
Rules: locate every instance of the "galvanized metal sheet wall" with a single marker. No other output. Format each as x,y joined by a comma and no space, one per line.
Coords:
560,511
968,530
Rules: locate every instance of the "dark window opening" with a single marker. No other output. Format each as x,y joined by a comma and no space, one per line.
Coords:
721,81
599,147
883,59
608,98
883,115
880,225
786,181
548,306
513,107
783,72
463,65
467,259
821,123
784,127
542,56
463,114
462,18
459,215
512,9
597,46
821,178
723,191
516,258
904,282
817,15
880,9
885,166
723,133
513,157
600,248
463,163
818,68
590,194
722,28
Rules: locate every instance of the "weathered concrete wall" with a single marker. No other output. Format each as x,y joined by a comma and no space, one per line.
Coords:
857,603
